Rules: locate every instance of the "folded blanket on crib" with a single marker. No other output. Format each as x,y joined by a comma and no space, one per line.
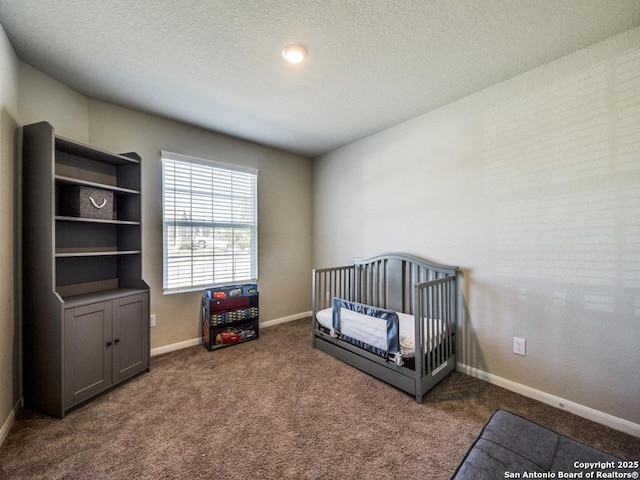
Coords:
357,323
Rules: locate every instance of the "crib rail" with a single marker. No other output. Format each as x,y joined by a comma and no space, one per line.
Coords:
331,282
436,302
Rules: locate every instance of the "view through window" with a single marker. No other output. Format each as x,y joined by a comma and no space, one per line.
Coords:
210,223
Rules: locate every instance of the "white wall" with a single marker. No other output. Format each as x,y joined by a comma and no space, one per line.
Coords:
532,187
9,327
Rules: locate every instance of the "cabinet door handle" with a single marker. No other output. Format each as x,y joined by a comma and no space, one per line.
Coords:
109,344
117,340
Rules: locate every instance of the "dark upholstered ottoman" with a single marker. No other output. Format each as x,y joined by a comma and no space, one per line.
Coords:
511,446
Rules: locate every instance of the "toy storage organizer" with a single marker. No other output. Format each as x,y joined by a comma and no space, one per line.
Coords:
229,315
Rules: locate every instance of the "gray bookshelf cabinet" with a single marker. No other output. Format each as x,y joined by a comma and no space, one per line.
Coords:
85,305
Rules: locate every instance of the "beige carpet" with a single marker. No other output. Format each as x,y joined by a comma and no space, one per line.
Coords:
270,409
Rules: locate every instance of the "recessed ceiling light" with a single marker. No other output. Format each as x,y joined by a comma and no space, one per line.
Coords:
294,53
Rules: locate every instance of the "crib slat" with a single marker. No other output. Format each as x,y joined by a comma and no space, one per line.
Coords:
436,307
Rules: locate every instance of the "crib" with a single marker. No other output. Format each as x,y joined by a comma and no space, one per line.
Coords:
392,316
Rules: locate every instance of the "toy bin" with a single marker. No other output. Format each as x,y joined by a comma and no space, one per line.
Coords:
229,315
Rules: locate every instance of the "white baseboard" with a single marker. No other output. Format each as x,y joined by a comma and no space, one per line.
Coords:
175,346
4,431
197,341
558,402
290,318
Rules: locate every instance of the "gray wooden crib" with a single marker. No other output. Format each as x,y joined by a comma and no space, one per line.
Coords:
395,282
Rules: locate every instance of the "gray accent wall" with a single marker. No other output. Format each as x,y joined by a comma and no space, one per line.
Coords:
531,187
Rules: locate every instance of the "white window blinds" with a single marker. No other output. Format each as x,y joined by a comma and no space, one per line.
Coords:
210,223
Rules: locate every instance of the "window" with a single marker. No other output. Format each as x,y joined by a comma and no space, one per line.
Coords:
210,223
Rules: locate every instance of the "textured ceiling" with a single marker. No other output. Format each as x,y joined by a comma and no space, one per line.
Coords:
372,63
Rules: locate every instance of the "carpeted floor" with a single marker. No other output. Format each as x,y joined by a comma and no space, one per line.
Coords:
272,408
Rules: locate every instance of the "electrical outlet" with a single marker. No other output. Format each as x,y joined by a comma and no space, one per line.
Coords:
519,346
152,320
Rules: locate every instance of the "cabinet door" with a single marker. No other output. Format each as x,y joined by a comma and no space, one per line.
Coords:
87,351
130,336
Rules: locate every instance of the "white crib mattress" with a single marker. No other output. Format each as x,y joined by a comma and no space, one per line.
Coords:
373,331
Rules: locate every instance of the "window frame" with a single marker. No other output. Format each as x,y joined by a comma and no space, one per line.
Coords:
214,165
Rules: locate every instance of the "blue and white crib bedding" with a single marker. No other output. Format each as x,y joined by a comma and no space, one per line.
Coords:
380,331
